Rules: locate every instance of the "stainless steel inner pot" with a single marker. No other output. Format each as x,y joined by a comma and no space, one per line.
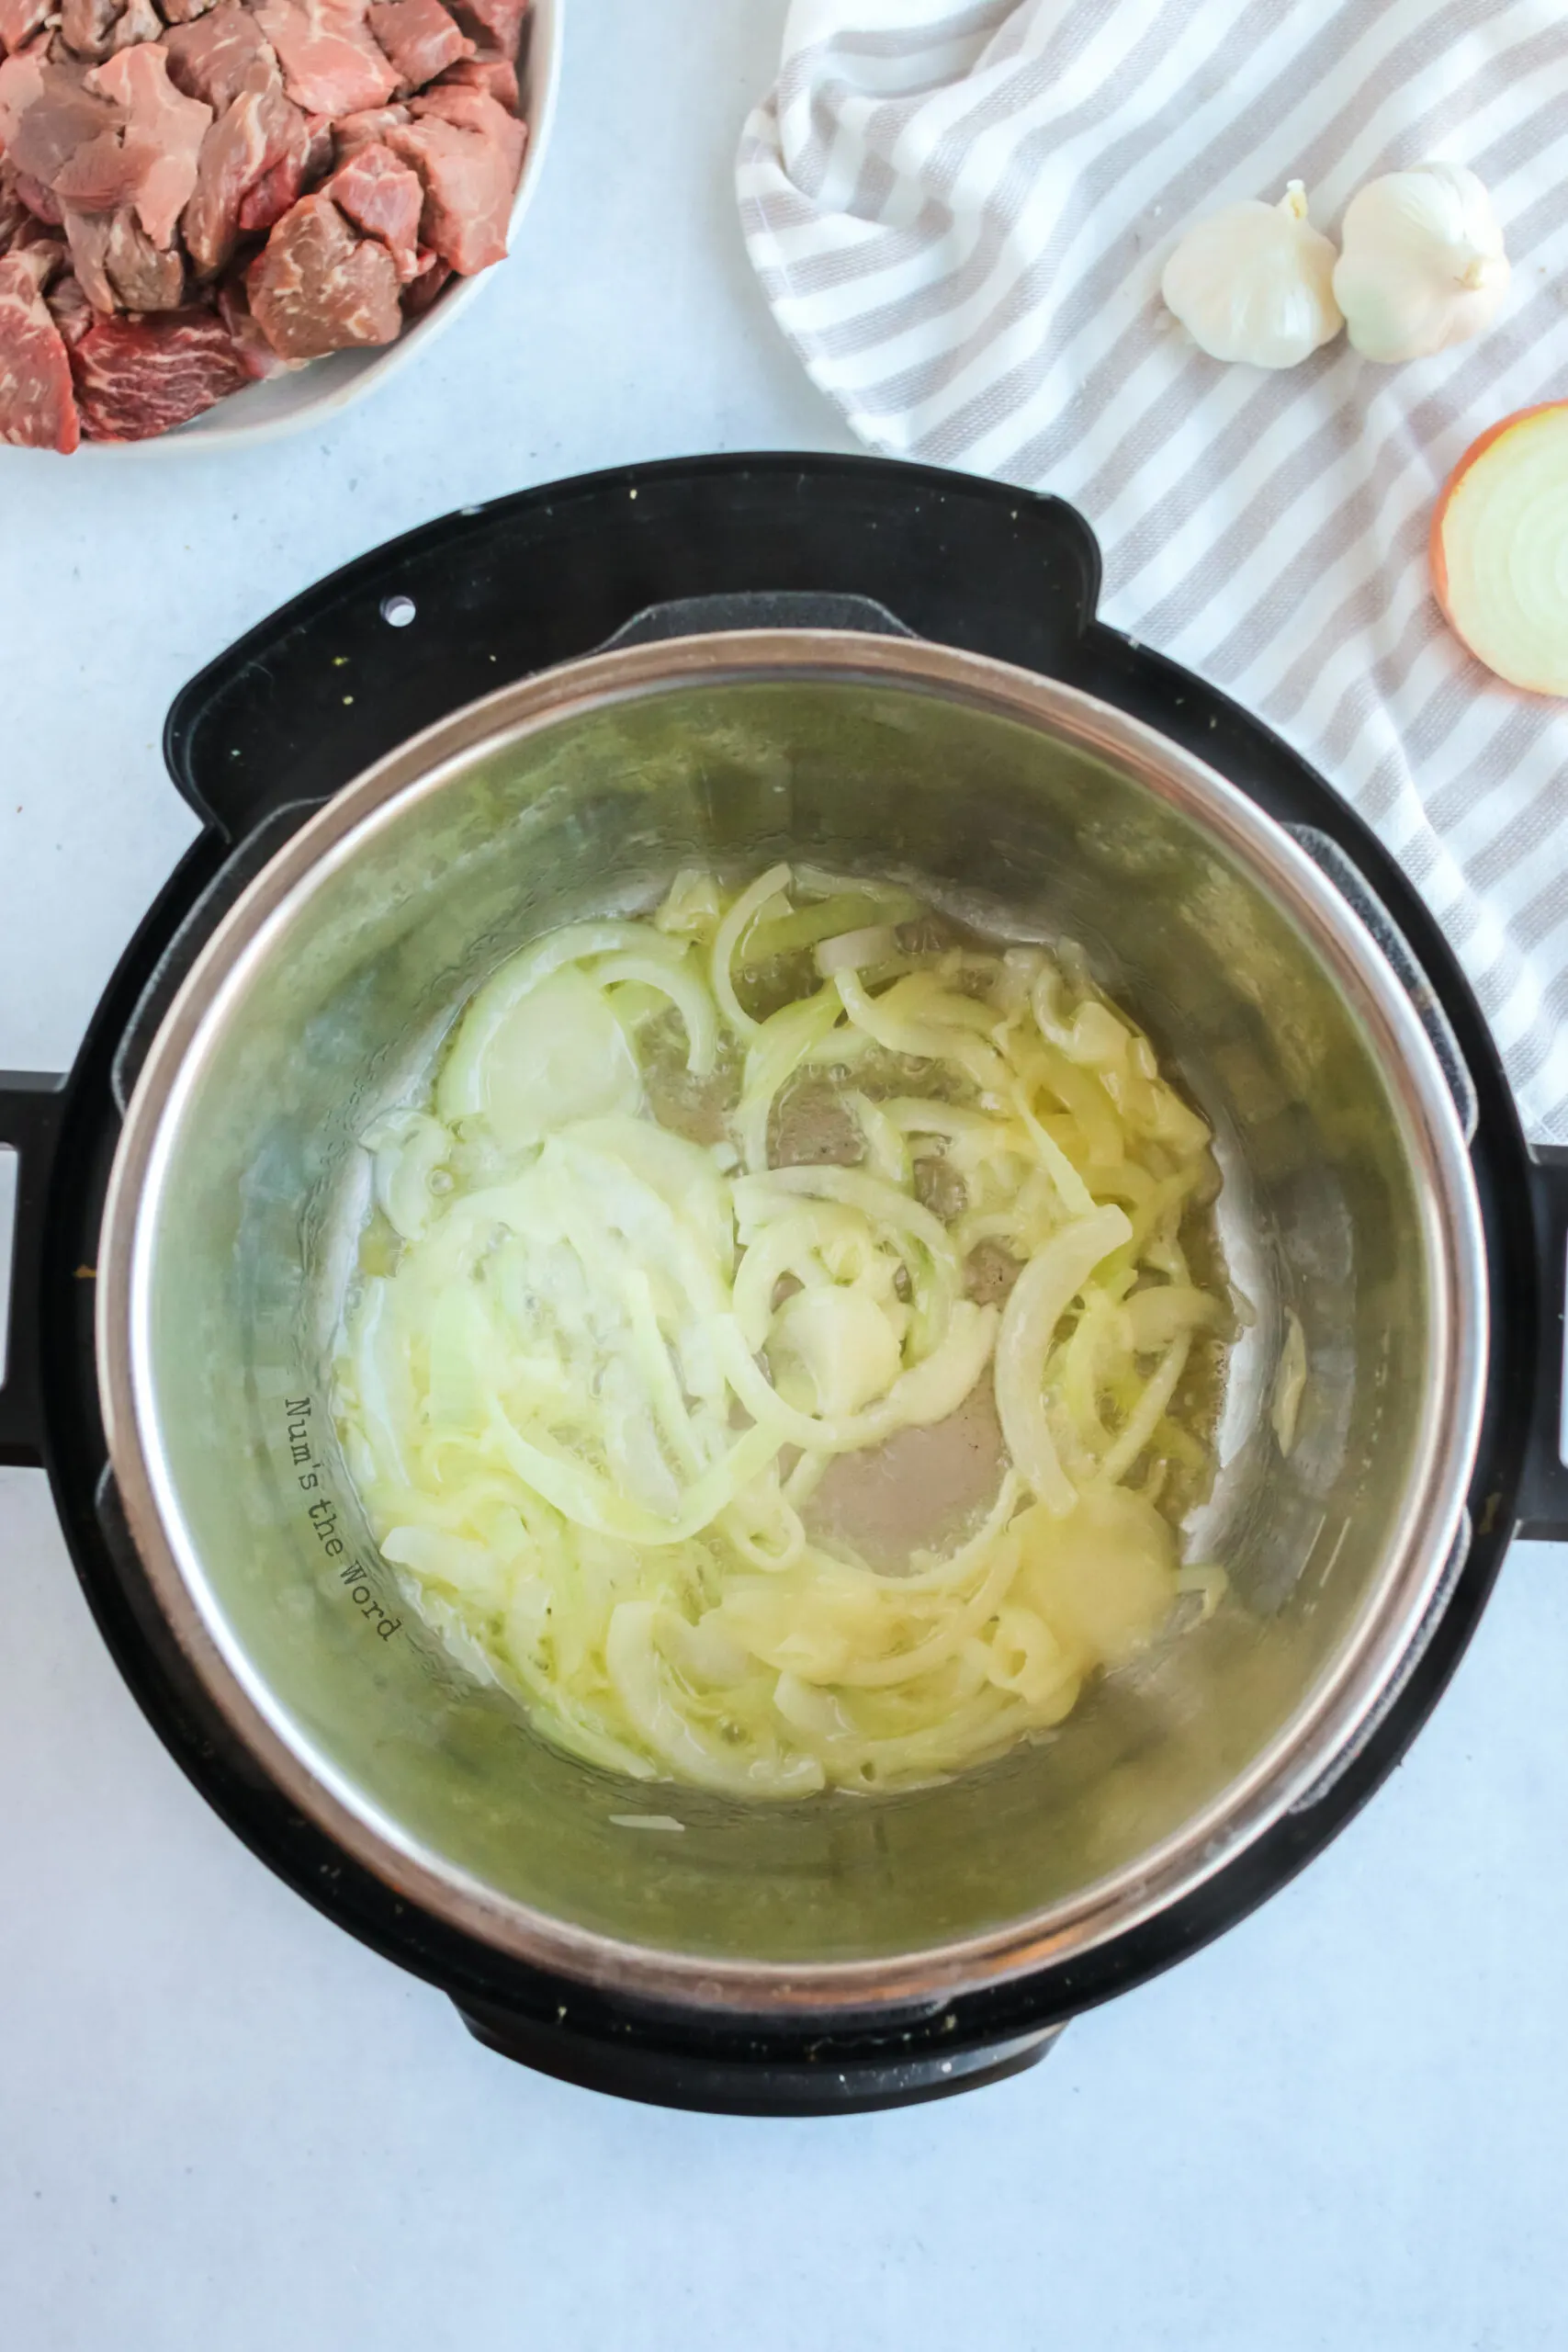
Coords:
1348,1200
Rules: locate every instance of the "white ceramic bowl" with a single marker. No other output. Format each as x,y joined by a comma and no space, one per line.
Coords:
310,395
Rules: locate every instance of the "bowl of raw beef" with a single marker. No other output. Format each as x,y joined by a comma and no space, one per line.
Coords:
219,218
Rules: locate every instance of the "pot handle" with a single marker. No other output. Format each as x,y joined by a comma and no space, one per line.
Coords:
200,920
826,2081
1543,1489
31,1110
756,608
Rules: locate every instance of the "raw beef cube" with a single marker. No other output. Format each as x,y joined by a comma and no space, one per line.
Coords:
256,355
87,26
469,182
183,12
43,254
420,38
318,288
140,23
118,266
100,29
330,64
89,236
382,196
310,153
258,130
139,377
19,19
323,152
40,201
490,72
21,82
99,176
146,277
121,134
29,229
303,168
70,310
38,237
352,131
430,280
27,211
477,110
37,263
209,59
38,410
165,130
267,200
65,127
494,24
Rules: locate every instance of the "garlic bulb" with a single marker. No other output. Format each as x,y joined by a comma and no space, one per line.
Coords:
1255,282
1423,266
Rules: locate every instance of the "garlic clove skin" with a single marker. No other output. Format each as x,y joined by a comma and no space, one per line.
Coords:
1423,266
1255,283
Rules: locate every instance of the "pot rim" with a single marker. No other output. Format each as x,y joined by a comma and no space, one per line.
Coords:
1306,1748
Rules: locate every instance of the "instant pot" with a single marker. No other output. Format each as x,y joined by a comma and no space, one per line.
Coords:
537,707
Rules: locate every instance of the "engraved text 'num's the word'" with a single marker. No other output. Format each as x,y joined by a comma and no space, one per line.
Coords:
324,1517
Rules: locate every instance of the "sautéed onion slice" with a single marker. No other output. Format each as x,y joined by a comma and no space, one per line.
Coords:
595,1368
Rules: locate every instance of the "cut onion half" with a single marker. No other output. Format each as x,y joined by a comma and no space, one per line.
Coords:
1500,549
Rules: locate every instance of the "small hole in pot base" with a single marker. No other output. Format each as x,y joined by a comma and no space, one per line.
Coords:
398,611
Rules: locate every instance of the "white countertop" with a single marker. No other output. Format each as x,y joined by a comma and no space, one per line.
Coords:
226,2128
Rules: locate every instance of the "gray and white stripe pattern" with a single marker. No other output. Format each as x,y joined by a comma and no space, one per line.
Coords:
959,214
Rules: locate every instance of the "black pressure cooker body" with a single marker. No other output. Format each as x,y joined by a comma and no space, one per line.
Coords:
491,595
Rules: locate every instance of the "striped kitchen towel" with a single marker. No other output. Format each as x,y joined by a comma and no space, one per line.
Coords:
960,213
